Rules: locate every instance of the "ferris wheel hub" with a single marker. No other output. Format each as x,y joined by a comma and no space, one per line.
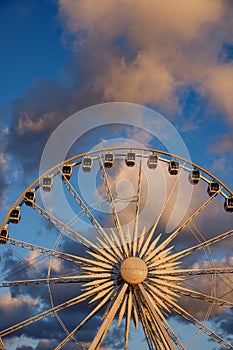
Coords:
133,270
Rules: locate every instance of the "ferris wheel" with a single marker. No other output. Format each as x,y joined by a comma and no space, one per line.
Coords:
129,251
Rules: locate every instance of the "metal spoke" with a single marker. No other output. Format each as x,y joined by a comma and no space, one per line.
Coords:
202,296
135,229
148,240
114,212
122,311
157,321
108,320
168,328
128,317
195,272
187,316
149,333
44,314
84,207
92,313
2,345
173,335
185,224
54,280
43,250
74,234
207,243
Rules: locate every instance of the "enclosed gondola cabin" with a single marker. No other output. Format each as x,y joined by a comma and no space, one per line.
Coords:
194,176
174,167
108,159
4,234
47,183
29,198
130,159
87,164
152,161
66,171
228,205
213,188
15,215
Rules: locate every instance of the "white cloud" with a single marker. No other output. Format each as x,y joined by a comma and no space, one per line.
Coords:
174,44
11,304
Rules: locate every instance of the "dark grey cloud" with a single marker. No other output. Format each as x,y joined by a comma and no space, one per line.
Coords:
4,185
226,325
3,160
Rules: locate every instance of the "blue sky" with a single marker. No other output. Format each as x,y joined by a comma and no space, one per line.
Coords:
58,57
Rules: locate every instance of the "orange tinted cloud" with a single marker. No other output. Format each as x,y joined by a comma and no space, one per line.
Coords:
174,44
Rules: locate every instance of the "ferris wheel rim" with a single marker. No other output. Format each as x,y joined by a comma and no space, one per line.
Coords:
115,148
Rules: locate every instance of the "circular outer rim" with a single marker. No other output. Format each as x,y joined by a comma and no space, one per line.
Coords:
121,148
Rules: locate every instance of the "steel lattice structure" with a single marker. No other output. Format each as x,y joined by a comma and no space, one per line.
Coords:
132,275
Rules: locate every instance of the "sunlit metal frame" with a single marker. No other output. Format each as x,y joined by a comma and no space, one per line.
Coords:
148,302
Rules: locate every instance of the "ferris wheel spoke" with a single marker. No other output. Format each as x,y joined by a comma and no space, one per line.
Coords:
185,224
45,251
143,245
202,296
144,321
150,337
108,320
54,280
196,272
155,292
83,206
116,219
55,309
153,333
51,295
173,335
201,326
168,328
135,229
122,311
202,245
156,319
2,345
112,246
128,317
63,227
86,319
47,313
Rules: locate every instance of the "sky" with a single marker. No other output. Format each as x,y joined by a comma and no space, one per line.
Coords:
61,56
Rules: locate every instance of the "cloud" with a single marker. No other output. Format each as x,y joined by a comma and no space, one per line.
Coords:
23,302
150,52
3,170
222,287
34,117
134,51
145,56
142,80
224,143
218,85
12,308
